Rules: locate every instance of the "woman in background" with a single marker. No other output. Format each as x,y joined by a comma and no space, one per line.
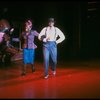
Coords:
6,49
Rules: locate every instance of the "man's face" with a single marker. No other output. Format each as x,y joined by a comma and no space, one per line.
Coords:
51,24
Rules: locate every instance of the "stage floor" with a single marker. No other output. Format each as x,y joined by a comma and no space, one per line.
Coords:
74,79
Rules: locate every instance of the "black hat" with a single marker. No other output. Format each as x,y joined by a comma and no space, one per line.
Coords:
51,20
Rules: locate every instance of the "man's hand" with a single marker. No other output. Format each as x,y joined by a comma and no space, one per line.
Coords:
48,38
56,42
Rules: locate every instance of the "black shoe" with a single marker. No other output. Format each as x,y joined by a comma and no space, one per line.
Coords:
23,74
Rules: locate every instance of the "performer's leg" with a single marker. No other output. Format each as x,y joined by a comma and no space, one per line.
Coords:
25,60
53,53
46,59
12,51
33,69
23,70
32,57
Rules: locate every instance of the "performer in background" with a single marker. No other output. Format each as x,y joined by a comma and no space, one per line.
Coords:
27,39
6,49
49,36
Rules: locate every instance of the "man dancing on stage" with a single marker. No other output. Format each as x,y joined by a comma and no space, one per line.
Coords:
49,36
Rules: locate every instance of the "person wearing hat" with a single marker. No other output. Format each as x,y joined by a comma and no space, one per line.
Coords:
49,36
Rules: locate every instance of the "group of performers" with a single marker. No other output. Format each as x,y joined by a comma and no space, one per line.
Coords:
6,49
49,37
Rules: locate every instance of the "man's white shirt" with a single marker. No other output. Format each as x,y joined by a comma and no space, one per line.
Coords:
52,33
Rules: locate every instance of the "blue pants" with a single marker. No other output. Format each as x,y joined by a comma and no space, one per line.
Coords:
50,49
28,56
